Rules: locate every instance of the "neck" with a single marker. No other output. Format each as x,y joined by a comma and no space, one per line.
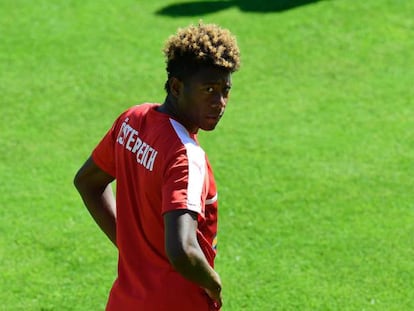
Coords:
170,108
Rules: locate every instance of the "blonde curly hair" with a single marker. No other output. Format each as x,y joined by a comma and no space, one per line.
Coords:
201,45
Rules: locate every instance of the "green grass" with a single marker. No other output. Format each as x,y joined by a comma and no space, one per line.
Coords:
314,158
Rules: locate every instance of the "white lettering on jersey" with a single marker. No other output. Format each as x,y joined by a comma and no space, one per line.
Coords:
144,153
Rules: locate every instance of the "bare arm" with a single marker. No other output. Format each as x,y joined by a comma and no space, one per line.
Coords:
185,253
94,186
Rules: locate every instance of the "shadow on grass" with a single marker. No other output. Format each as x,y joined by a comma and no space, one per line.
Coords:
206,7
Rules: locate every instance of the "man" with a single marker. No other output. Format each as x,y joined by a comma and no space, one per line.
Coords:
164,219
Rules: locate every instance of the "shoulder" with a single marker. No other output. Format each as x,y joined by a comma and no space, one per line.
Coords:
188,141
183,135
140,109
134,115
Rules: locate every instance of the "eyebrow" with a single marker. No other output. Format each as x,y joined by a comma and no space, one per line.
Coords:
216,83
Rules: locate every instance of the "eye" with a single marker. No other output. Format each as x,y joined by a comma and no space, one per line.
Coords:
226,90
209,89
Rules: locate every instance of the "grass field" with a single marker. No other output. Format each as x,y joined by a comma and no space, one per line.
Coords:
314,158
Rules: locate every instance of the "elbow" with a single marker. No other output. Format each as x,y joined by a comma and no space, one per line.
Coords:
80,182
77,181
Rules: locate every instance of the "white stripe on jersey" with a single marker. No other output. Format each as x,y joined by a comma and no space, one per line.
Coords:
196,167
212,200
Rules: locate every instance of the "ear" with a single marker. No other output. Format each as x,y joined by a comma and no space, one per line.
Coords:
175,86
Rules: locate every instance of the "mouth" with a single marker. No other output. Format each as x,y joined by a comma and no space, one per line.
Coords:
211,120
215,116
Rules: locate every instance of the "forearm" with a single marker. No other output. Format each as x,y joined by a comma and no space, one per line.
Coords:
101,205
185,254
193,265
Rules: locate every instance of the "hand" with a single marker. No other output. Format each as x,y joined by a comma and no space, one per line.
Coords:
215,296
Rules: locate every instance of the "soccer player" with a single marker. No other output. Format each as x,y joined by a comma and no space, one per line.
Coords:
164,218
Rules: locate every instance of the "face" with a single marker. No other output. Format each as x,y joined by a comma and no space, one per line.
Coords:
203,97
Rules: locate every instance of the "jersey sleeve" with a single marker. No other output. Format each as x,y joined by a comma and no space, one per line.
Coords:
104,153
184,185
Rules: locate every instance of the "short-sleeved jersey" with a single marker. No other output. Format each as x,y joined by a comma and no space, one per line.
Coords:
159,167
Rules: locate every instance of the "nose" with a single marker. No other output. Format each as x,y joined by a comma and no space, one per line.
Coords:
220,101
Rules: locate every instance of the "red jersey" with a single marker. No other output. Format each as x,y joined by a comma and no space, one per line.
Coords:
159,167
